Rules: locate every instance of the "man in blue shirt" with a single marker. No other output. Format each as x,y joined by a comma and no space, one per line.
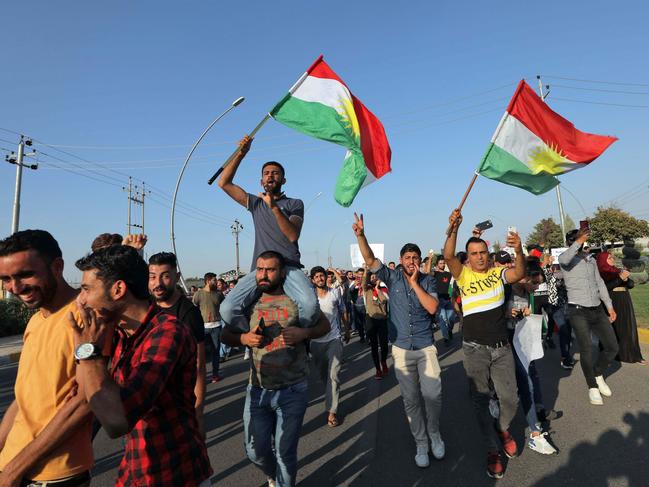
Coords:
413,303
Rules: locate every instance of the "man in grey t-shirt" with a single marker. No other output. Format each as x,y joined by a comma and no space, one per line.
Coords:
278,222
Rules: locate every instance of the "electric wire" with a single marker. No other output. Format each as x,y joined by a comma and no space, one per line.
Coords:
581,80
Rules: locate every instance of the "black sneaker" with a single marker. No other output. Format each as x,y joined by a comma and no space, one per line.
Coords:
567,363
550,343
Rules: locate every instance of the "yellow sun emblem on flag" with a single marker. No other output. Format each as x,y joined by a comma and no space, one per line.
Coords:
348,114
548,159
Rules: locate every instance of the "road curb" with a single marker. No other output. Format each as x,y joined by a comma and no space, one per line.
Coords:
643,335
11,358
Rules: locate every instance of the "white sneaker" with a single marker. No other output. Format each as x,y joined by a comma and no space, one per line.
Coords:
541,445
494,408
421,458
602,386
594,396
271,482
437,446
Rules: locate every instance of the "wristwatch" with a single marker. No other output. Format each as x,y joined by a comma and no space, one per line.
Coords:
87,351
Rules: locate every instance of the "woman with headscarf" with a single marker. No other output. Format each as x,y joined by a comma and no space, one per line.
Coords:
618,284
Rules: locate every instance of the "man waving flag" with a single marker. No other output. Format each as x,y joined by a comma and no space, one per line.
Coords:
321,105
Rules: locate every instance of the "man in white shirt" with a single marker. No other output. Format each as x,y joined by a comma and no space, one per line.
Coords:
327,351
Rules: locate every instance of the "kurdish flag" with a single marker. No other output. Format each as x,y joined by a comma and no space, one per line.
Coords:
532,144
321,105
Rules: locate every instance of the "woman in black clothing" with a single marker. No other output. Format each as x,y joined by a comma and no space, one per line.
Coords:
376,324
625,326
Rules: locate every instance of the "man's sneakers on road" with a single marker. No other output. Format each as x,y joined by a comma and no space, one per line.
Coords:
495,467
421,458
378,375
216,378
437,446
541,445
604,389
509,444
567,363
594,396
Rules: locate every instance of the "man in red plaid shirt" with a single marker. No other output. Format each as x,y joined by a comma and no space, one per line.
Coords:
149,393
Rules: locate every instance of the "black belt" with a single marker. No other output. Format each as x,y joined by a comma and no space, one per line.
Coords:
579,306
75,481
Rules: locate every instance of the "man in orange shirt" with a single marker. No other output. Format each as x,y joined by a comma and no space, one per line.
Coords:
45,432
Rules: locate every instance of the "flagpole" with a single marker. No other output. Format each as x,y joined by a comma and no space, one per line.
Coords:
252,134
562,217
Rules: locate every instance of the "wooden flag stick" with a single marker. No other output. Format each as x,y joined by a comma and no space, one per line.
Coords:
466,194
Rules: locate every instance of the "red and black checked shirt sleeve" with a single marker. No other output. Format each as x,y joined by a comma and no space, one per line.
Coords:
159,354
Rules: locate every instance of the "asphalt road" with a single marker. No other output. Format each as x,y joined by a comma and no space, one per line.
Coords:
599,446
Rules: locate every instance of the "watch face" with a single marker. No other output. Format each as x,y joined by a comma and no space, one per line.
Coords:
84,351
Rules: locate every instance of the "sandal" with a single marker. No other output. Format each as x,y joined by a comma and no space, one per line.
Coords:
332,422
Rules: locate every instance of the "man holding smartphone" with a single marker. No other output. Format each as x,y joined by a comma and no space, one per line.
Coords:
586,290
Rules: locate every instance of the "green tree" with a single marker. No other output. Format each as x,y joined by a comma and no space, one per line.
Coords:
570,223
612,224
547,232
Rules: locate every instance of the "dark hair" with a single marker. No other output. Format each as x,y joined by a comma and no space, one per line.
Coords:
571,236
271,254
317,269
410,247
221,280
208,277
106,240
273,163
392,262
360,269
119,263
440,257
164,258
473,240
40,241
462,257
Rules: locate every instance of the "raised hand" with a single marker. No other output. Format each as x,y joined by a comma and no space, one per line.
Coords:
244,145
455,219
514,241
92,329
136,241
358,226
269,198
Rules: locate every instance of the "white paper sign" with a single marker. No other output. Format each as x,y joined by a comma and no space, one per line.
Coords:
556,253
357,258
527,339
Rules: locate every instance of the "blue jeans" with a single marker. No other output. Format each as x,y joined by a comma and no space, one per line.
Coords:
296,286
565,331
275,416
214,340
446,317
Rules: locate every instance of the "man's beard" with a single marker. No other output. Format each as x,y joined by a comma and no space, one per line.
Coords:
168,292
268,286
46,292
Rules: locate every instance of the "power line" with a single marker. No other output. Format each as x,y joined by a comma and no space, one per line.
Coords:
600,82
601,90
600,103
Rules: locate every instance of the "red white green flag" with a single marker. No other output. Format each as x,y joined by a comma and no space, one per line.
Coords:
321,105
532,144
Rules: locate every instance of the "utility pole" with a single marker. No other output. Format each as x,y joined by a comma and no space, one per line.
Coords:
18,161
236,229
562,217
137,197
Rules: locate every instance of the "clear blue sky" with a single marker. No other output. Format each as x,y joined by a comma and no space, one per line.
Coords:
131,85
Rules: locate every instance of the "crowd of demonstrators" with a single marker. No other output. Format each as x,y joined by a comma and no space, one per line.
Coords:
446,316
277,394
618,284
209,299
413,302
375,297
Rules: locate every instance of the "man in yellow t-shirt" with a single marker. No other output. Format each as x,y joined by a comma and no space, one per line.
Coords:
45,432
488,356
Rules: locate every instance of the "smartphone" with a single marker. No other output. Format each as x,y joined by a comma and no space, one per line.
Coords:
482,226
584,226
511,229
